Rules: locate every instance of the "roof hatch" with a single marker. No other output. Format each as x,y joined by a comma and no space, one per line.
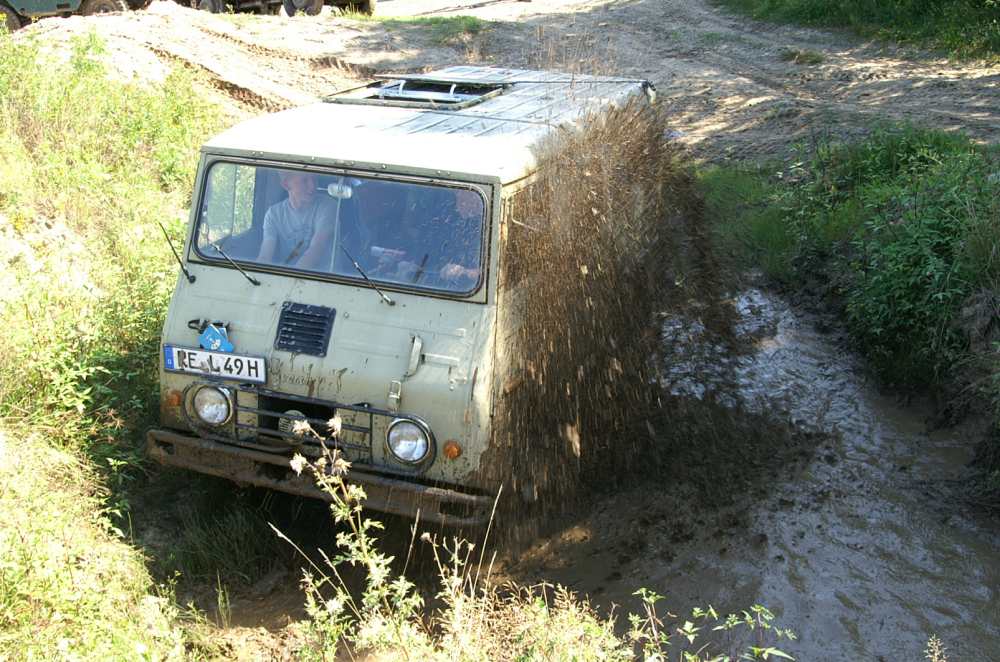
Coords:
420,92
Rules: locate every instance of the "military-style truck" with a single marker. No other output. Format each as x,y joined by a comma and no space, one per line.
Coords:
17,13
358,260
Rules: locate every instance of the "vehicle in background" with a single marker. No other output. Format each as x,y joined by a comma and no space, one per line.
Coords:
17,13
292,7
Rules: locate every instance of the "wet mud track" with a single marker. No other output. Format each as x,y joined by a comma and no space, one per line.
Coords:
855,540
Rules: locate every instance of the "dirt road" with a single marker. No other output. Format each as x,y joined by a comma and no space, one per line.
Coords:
726,78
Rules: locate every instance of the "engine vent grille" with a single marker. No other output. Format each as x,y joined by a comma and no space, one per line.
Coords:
304,329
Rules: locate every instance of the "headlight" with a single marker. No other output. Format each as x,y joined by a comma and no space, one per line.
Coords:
408,441
211,404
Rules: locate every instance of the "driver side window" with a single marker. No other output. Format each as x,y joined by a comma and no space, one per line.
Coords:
227,210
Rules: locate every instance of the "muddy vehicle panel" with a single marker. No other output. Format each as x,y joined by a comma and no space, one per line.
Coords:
384,312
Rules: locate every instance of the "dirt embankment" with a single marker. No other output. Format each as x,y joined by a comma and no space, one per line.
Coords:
729,82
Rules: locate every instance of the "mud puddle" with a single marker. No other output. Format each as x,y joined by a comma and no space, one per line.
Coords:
849,534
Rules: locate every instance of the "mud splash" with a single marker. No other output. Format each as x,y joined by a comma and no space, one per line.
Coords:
853,542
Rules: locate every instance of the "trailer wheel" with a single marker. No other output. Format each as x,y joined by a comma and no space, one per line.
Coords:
10,18
307,7
91,7
136,5
364,7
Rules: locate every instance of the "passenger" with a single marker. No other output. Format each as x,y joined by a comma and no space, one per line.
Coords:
425,246
463,229
299,230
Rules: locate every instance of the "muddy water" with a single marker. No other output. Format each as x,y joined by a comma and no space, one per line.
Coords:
859,546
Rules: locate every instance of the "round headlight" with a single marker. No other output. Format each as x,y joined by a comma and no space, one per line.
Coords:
408,442
211,404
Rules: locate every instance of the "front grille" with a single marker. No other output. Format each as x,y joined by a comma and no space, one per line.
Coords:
304,329
360,427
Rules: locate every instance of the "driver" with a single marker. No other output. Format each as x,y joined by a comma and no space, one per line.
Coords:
300,229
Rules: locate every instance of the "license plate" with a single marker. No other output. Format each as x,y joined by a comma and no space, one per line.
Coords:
214,364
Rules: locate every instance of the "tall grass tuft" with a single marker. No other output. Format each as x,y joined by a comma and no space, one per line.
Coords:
903,227
88,166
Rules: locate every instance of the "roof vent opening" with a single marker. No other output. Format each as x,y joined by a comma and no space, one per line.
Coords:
420,93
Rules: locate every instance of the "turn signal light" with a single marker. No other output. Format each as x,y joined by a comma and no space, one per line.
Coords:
172,399
451,449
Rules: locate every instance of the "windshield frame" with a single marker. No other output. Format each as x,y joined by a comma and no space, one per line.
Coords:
483,189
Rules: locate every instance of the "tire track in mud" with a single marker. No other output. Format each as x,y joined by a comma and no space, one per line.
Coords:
246,98
325,61
726,77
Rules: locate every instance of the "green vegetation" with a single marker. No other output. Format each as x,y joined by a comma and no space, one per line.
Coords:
442,30
903,230
88,167
70,588
797,56
963,28
476,621
904,226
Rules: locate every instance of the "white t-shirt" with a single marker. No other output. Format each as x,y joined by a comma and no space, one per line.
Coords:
293,229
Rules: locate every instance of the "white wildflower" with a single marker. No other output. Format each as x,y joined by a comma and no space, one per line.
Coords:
298,463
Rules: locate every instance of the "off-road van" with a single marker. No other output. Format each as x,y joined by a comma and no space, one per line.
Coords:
357,258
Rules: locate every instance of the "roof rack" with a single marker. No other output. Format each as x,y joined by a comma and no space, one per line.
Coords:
420,92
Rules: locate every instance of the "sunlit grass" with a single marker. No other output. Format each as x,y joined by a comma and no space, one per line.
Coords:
441,30
88,168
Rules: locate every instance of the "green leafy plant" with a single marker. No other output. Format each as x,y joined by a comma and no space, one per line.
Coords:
478,620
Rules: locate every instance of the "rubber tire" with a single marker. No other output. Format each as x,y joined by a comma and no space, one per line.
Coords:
212,6
366,7
136,5
313,8
91,7
10,17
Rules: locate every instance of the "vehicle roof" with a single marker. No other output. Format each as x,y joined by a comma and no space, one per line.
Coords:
493,138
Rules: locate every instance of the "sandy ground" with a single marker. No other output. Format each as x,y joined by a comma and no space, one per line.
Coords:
855,554
724,76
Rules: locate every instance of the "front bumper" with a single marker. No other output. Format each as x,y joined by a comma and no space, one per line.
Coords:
243,465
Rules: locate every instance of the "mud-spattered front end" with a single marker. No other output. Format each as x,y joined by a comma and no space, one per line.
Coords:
423,360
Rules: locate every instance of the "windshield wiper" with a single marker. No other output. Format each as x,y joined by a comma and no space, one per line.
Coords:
174,251
232,262
367,279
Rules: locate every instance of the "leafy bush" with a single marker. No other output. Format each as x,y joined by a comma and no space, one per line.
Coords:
904,226
965,28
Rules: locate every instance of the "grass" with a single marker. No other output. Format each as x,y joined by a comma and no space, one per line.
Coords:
70,587
968,29
802,56
442,30
88,168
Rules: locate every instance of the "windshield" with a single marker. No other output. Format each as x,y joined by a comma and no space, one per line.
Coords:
399,233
